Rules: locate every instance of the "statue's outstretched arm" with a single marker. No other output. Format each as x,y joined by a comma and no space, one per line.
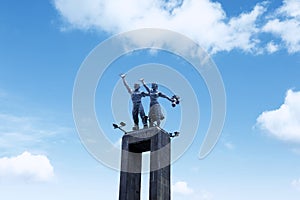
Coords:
165,96
126,85
145,94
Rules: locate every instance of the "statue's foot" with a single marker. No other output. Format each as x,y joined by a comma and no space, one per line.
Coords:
136,127
146,118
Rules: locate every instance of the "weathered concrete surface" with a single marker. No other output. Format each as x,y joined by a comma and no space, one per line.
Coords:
157,141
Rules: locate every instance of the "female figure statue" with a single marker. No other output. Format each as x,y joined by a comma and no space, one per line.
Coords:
155,113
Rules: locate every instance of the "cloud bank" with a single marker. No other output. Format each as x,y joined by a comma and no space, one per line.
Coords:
284,122
204,21
26,167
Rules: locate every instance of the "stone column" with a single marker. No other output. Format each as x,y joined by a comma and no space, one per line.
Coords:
157,141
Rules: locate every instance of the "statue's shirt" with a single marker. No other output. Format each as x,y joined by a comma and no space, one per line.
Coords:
136,97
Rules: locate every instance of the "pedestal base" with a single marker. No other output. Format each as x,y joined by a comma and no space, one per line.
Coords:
157,141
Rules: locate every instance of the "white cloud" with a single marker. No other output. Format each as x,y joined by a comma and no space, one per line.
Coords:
284,122
285,24
286,30
290,8
204,21
181,187
181,190
272,47
26,167
296,184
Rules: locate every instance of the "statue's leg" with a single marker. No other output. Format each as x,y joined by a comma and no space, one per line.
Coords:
143,116
135,116
160,113
155,114
151,123
150,115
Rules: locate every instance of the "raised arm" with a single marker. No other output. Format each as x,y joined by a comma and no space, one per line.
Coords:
144,84
126,84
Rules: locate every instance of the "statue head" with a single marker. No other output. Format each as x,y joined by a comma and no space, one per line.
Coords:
136,86
154,86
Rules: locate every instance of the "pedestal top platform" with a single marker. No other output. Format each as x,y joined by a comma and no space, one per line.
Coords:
145,140
146,132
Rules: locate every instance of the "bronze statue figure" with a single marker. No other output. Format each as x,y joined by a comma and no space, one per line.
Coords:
137,107
155,113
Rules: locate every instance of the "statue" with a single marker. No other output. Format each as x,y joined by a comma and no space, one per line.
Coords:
137,107
155,113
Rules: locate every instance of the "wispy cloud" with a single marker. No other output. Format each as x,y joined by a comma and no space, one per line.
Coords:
284,122
2,93
26,167
204,21
296,151
182,190
296,184
229,145
20,132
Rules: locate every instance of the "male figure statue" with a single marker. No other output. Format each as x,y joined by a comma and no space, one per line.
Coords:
137,107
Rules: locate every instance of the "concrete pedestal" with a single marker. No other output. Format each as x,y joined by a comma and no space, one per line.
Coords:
157,141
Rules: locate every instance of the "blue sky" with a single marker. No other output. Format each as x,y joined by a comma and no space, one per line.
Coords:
254,44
